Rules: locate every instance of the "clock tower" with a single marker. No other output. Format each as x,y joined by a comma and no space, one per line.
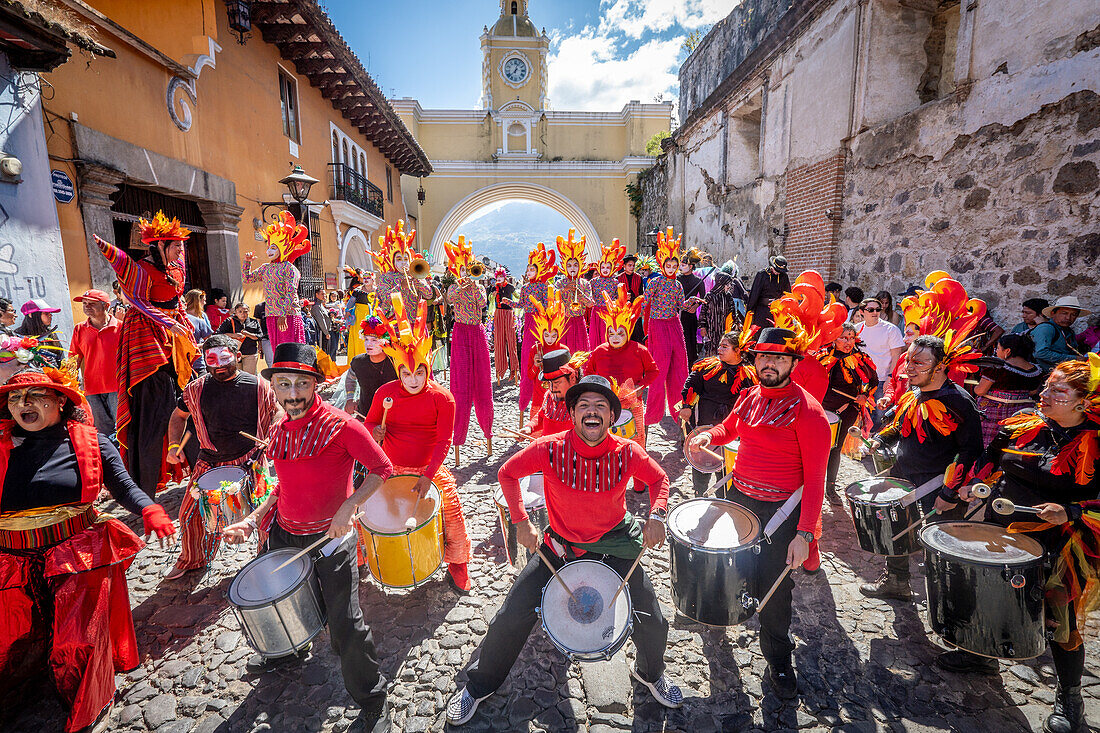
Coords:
513,60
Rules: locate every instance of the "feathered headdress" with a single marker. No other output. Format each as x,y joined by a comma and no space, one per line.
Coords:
500,272
621,313
668,247
409,343
571,249
355,275
161,228
286,235
544,262
806,310
694,256
550,318
612,255
748,333
459,256
394,242
944,310
646,263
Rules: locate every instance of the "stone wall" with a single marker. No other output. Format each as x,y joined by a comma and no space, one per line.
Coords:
654,185
1012,210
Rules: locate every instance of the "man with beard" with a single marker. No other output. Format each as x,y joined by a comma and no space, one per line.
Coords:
314,450
222,403
585,474
558,375
785,442
370,370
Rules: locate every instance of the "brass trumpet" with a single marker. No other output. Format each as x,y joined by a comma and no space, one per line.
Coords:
420,269
476,271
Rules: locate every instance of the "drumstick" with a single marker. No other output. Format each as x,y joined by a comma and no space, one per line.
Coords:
1004,506
905,531
845,394
568,590
183,442
625,579
775,585
711,453
516,433
1028,453
386,405
252,438
513,437
314,546
411,521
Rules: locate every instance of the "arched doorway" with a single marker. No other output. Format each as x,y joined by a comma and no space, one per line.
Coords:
353,251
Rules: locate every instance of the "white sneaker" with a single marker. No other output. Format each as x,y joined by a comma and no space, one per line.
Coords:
662,690
462,707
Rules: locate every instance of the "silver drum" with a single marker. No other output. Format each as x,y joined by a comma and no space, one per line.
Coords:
280,611
534,501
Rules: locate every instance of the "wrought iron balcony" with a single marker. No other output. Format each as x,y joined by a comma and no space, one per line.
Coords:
350,186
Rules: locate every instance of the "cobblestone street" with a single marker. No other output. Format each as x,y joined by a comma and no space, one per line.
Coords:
863,664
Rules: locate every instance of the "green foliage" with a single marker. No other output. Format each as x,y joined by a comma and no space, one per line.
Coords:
634,193
653,145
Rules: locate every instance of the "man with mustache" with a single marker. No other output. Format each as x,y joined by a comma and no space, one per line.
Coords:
557,376
785,443
585,474
222,403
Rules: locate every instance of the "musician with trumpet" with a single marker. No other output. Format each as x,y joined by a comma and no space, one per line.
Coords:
471,378
404,270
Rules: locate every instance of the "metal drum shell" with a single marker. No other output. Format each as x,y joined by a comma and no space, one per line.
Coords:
876,523
516,554
834,426
713,586
406,558
974,605
290,619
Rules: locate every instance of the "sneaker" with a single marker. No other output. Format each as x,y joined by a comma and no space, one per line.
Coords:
258,663
462,707
662,690
888,586
963,662
784,681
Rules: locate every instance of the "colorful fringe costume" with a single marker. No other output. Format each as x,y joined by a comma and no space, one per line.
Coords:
361,305
605,282
471,375
533,291
576,293
664,300
393,260
287,240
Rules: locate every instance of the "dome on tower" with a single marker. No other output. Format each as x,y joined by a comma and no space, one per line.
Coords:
514,25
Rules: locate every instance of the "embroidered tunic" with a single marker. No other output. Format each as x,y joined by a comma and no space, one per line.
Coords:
280,281
467,304
665,296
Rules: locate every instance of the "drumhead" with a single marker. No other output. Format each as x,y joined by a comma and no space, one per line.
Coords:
626,416
832,417
878,490
981,542
587,626
531,488
259,584
713,524
388,508
732,447
699,459
213,478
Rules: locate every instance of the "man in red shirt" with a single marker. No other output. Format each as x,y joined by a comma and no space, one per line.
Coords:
558,375
314,450
785,443
585,473
95,348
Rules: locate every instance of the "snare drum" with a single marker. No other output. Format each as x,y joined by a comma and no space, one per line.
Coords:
713,545
535,504
399,557
985,589
587,630
699,459
281,611
625,427
834,426
729,452
224,495
878,515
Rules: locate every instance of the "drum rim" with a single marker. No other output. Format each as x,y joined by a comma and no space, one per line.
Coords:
212,469
596,654
438,504
717,551
249,605
867,502
687,442
1024,564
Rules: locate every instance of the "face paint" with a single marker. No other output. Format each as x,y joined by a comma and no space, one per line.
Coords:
219,356
373,345
572,267
605,269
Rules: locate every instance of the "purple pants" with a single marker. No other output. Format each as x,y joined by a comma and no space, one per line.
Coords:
575,337
471,379
295,330
530,338
666,344
597,329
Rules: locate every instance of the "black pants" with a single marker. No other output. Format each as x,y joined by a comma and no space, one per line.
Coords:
638,332
513,623
690,323
847,419
775,619
152,401
351,638
898,565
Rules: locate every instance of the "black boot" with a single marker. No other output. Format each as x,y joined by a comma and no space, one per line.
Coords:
833,497
1069,712
963,662
888,586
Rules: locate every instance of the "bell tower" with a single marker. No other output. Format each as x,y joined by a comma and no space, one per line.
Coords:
513,59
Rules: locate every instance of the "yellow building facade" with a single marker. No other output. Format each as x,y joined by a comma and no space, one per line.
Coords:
189,119
517,148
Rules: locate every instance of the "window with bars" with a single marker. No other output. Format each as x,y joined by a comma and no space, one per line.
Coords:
311,265
389,184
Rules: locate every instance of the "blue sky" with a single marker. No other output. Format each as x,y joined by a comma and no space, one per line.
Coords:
603,53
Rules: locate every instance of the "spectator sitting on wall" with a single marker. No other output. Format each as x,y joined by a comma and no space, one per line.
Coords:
1032,314
853,297
38,322
769,284
1055,340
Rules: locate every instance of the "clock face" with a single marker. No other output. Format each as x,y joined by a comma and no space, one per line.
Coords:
515,70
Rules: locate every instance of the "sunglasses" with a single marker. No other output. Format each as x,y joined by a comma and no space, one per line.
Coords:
873,310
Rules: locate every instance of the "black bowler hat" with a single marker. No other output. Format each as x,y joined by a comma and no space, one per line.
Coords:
776,341
292,358
554,364
778,263
630,258
600,385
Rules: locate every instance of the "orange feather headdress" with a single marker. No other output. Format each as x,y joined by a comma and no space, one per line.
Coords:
571,249
668,248
945,310
621,313
808,312
544,263
289,237
612,255
410,342
459,257
550,318
161,228
394,242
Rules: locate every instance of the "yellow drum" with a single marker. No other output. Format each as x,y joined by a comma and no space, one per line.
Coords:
729,451
834,425
625,427
399,557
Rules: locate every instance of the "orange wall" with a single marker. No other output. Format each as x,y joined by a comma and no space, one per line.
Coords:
236,130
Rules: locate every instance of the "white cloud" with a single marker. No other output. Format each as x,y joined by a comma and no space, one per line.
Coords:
635,17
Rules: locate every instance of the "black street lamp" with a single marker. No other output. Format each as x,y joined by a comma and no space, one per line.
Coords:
421,194
651,239
240,18
298,183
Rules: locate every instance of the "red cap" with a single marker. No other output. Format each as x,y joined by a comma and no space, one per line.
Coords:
93,294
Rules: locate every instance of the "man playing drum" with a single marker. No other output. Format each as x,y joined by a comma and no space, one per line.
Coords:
585,473
222,403
314,450
418,427
558,375
785,443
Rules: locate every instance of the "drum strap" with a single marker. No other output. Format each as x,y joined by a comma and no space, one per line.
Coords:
784,511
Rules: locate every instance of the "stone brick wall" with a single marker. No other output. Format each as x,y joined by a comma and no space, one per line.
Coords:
812,192
1012,211
654,185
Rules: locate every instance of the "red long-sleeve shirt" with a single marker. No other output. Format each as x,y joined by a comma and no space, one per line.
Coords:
785,443
552,417
632,361
585,485
314,456
418,427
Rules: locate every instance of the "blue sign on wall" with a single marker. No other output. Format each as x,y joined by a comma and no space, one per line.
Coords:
63,189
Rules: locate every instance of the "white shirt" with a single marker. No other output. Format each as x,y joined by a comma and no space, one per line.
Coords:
879,341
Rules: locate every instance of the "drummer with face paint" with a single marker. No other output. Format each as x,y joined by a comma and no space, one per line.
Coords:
370,370
314,450
585,475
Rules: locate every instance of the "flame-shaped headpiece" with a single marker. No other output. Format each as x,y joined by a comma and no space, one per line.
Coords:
410,342
393,243
945,310
748,333
621,313
550,318
459,256
806,310
286,235
612,255
161,228
544,262
668,247
571,249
